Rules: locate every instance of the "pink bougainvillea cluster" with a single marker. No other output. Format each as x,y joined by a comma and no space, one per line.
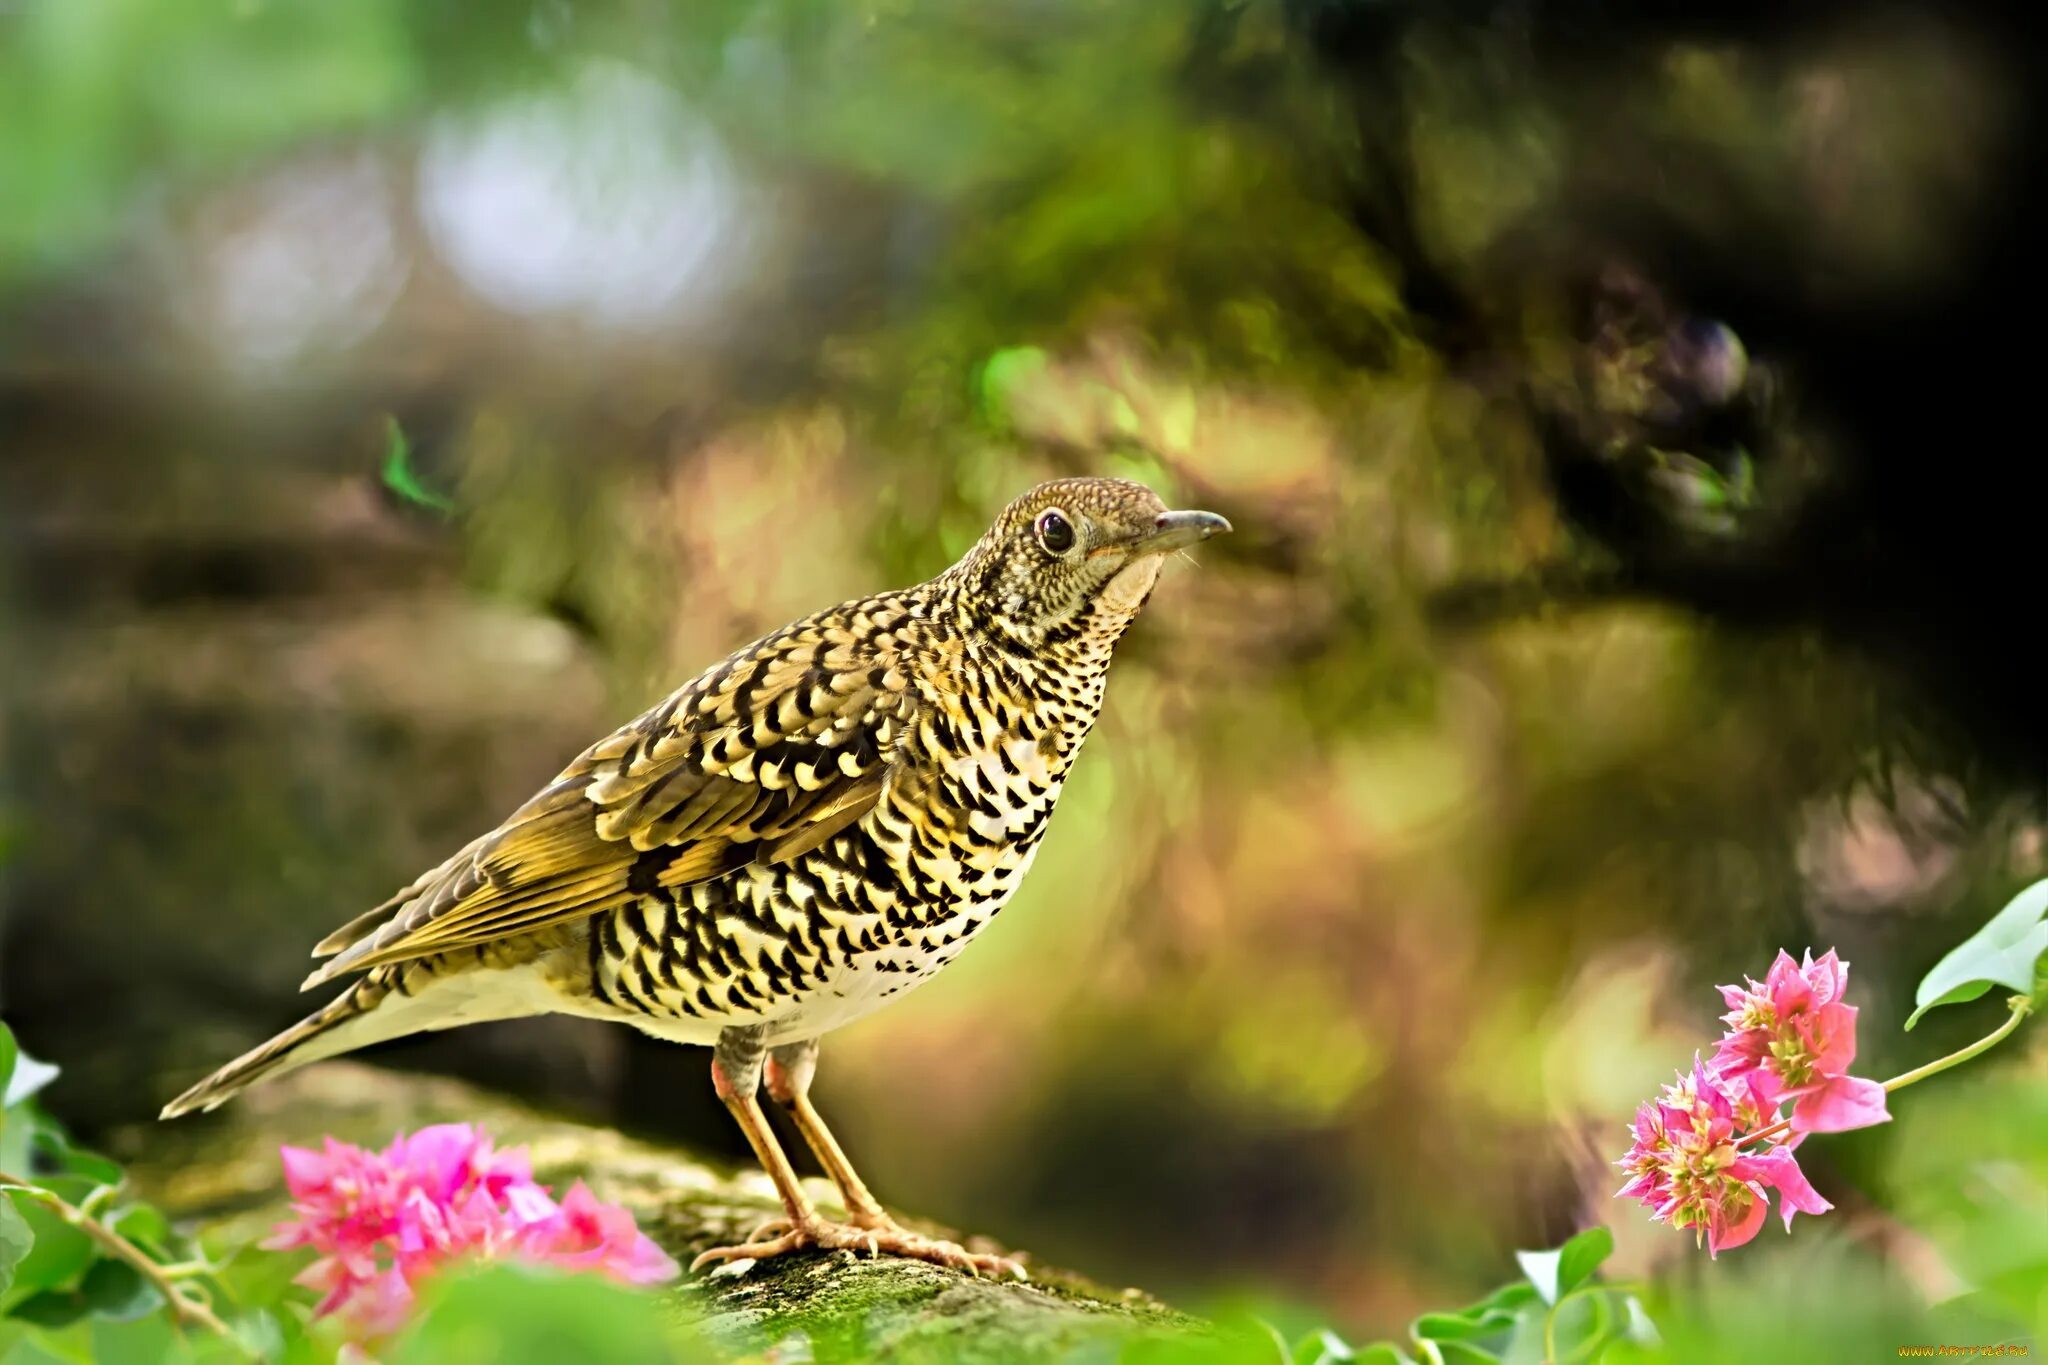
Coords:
384,1221
1710,1151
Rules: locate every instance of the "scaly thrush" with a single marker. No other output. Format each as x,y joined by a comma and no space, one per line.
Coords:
801,833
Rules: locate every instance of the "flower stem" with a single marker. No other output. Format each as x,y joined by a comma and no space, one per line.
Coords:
184,1307
2019,1005
1776,1130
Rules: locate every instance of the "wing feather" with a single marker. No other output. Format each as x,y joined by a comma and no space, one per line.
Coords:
762,759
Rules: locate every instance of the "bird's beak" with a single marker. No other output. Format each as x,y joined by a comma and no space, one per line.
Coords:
1177,531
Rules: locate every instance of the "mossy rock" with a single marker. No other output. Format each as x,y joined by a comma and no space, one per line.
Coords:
222,1175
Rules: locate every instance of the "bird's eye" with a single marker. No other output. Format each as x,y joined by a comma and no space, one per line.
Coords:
1055,532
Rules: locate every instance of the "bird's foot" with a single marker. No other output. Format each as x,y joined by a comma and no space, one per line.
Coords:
769,1228
876,1234
766,1230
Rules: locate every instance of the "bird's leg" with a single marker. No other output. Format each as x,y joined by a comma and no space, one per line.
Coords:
736,1066
789,1072
736,1076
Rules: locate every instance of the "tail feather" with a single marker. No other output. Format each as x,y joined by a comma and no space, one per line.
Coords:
392,1001
323,1033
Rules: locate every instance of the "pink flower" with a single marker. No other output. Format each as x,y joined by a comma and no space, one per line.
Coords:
1687,1167
599,1236
384,1221
1795,1038
1710,1151
1779,1169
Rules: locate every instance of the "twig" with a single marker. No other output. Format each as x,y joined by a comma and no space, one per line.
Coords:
183,1307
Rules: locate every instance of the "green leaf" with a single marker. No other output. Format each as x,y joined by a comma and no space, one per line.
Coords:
253,1277
149,1340
1321,1345
51,1308
261,1334
20,1074
1383,1353
1557,1273
19,1129
1502,1304
78,1161
16,1239
1640,1330
1526,1344
1460,1326
399,476
2002,953
1507,1298
30,1076
516,1315
1583,1323
60,1251
116,1291
44,1348
1462,1353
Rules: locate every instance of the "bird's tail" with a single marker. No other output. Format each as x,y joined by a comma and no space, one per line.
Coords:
341,1026
391,1001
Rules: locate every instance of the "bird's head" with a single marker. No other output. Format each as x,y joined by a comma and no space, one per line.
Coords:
1074,557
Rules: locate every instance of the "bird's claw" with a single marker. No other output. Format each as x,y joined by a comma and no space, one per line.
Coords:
769,1228
869,1233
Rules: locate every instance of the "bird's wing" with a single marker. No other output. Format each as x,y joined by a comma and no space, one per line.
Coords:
763,758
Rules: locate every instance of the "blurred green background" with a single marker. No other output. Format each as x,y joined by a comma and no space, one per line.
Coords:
396,395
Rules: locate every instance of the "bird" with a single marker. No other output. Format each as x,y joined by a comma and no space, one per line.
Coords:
793,838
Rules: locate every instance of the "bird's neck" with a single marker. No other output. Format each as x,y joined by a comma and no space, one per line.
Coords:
1058,670
1083,639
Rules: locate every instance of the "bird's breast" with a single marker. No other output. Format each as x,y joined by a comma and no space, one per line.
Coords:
1006,787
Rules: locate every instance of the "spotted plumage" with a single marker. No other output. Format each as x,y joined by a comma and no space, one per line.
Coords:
803,832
